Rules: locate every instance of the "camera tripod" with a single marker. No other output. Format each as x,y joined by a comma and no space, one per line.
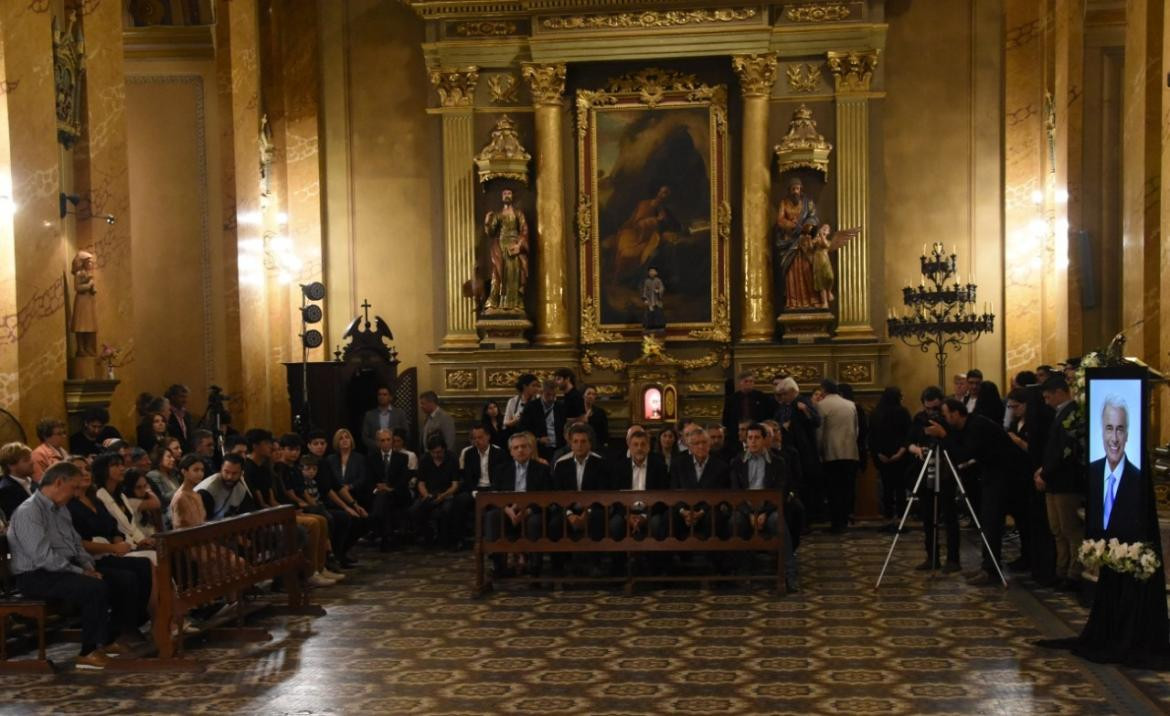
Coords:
933,463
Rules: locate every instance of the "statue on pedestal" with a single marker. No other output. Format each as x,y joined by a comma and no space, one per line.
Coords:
83,322
652,292
507,230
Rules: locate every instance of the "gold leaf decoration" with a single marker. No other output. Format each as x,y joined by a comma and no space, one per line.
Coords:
584,217
484,28
720,330
817,12
803,78
591,331
460,379
455,85
503,88
856,372
853,70
648,18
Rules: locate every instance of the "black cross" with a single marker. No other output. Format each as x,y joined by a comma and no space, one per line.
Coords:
366,308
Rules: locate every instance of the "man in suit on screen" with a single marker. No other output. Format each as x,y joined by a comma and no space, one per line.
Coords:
1115,496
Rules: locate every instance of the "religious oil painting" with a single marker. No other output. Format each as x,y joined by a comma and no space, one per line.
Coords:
652,160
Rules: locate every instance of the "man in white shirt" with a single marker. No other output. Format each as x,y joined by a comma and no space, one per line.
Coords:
640,470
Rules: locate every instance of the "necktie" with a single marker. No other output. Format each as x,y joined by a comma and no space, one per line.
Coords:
1109,494
386,463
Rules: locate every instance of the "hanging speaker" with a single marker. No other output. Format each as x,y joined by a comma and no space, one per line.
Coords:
311,313
314,291
312,338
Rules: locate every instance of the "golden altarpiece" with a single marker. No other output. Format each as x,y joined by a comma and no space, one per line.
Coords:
694,119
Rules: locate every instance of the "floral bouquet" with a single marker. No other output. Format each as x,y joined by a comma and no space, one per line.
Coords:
1135,558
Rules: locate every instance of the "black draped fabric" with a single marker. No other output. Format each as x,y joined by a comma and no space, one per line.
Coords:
1128,623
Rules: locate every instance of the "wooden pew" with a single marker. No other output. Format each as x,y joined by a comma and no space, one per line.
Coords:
13,604
688,542
198,565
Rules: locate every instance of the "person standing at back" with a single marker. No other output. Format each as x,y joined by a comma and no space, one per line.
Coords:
837,439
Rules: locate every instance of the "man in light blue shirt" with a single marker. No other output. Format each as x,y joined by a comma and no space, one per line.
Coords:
50,564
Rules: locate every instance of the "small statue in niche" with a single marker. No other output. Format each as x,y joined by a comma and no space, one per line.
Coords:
652,293
83,323
507,230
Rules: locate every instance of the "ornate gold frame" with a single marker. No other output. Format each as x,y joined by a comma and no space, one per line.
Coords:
652,90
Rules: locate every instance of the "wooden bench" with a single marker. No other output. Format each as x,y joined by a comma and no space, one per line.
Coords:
12,604
199,565
648,501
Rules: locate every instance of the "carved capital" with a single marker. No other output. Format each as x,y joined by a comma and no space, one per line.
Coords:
455,85
757,73
547,82
852,70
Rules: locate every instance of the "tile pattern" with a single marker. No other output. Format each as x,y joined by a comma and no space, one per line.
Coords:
404,635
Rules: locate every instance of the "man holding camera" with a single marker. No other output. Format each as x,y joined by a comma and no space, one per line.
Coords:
1002,465
920,442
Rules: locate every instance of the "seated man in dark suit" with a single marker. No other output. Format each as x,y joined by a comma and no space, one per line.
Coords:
438,479
758,469
476,463
699,470
544,417
582,470
520,474
17,484
386,492
1114,503
640,470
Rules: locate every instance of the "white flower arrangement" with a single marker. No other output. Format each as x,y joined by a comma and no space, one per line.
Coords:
1135,558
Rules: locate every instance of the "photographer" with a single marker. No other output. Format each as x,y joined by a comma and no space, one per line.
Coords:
919,442
1001,466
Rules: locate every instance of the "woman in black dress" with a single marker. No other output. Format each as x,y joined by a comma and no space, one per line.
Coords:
492,419
667,446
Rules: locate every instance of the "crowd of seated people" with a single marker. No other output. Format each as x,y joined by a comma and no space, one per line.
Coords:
81,511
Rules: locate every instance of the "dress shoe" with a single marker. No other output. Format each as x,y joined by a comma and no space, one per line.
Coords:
330,574
927,566
93,661
319,580
982,579
973,573
951,568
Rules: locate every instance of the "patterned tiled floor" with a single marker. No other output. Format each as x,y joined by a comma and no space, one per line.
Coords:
404,635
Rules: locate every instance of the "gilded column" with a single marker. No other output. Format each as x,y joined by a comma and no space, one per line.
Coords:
852,72
102,178
756,73
238,69
456,89
1141,169
547,83
33,327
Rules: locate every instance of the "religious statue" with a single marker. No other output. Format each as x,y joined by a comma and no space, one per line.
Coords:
83,322
796,211
652,291
808,276
508,231
267,156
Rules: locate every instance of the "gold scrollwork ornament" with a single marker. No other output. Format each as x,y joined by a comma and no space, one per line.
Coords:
460,379
584,218
817,12
503,88
853,70
803,79
591,331
648,18
856,372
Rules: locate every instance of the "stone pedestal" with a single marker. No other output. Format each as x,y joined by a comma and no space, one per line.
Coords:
805,326
502,329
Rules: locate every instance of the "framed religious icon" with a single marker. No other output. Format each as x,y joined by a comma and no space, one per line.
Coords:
653,208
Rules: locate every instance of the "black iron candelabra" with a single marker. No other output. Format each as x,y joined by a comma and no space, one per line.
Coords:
939,314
